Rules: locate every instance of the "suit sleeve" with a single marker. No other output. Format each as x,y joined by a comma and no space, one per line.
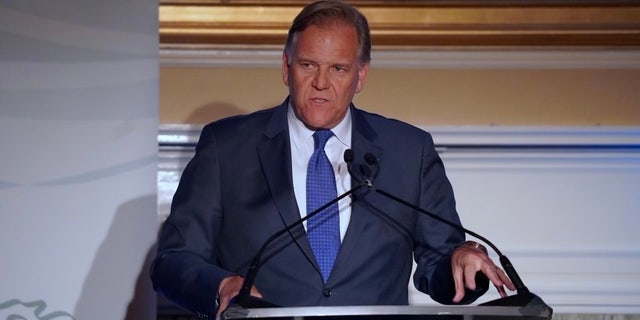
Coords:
185,269
435,241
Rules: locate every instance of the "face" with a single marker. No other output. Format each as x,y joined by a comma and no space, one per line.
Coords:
323,74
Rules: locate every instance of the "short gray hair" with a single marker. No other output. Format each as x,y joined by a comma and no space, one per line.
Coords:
325,12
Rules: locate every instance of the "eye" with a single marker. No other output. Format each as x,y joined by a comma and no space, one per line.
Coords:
340,68
307,65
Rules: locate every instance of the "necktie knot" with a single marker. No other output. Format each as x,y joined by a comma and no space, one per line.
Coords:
321,137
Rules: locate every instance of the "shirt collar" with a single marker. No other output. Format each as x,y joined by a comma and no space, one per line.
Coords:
301,135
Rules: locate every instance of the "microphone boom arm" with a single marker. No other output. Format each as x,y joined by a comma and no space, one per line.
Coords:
529,303
504,261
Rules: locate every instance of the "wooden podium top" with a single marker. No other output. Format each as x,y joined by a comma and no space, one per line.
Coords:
390,312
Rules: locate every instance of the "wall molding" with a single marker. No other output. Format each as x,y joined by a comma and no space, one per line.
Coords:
488,58
476,136
414,23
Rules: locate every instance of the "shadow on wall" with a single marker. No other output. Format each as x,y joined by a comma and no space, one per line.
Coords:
143,304
219,110
211,112
132,232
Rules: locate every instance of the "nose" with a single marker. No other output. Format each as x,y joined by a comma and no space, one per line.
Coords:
321,80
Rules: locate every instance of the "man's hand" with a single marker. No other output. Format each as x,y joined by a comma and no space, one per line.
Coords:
228,289
468,259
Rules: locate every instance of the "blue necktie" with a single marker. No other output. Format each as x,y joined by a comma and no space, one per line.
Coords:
323,229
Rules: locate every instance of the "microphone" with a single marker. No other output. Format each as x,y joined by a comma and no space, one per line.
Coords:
244,299
531,304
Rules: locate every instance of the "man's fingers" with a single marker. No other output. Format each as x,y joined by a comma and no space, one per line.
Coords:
470,278
254,292
229,288
500,279
467,262
493,273
501,291
459,285
505,279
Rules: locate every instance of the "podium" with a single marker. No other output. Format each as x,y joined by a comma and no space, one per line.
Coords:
391,312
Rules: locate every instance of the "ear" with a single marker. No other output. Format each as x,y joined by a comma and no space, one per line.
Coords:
285,69
362,75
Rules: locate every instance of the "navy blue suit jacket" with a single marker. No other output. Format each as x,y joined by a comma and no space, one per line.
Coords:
237,191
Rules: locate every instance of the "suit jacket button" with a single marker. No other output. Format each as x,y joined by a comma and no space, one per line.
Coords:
327,292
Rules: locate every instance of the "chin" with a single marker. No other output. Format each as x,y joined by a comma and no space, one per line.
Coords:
316,122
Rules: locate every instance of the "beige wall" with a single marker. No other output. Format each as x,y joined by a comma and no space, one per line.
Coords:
439,96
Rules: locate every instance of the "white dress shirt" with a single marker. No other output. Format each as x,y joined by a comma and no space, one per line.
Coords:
302,146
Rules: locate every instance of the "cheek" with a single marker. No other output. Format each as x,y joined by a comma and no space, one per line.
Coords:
296,80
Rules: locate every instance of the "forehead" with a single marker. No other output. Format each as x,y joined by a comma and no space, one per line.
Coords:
332,41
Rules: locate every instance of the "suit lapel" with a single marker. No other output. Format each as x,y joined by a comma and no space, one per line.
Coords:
275,159
363,140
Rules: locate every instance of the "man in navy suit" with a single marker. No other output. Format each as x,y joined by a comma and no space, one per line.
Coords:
247,181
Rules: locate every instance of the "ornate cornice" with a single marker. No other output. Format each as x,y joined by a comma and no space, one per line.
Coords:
413,23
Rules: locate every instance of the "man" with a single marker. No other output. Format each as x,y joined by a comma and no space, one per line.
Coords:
249,180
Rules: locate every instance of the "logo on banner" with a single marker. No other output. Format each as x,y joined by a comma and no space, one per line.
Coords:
35,310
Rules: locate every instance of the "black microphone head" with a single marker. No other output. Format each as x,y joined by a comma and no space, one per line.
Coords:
365,171
348,156
370,159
